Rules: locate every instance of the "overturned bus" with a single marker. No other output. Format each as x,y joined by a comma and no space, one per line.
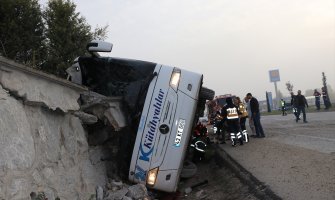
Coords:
162,105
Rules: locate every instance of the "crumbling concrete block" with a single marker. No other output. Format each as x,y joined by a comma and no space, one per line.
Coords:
85,117
105,108
138,191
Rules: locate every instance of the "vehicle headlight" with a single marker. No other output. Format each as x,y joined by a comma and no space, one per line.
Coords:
152,176
175,77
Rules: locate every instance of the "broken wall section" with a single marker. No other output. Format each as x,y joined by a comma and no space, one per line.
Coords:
43,146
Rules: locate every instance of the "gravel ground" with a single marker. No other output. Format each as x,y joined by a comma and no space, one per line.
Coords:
223,182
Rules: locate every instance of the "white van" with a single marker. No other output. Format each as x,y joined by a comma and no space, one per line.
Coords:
162,103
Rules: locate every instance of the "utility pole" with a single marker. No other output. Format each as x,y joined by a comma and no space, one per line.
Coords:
324,82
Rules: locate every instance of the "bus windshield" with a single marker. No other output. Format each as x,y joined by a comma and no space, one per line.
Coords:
119,77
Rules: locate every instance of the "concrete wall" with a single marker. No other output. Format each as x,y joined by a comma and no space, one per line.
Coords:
37,88
43,146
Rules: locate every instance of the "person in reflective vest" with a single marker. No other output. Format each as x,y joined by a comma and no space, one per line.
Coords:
243,117
283,106
317,96
230,114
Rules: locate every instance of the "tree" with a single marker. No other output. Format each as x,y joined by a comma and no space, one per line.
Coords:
67,33
100,33
289,86
324,82
22,31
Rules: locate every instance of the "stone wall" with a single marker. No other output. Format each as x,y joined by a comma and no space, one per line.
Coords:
43,146
44,150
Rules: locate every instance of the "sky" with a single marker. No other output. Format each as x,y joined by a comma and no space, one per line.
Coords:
233,43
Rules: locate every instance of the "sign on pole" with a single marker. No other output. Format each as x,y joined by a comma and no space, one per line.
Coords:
274,75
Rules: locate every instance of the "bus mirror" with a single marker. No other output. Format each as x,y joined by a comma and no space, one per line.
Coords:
99,46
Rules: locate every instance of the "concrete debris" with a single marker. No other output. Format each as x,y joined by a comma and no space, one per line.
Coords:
138,191
106,109
124,191
99,193
188,190
126,198
201,194
117,195
85,117
116,185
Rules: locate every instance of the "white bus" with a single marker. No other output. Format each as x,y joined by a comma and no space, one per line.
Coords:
163,105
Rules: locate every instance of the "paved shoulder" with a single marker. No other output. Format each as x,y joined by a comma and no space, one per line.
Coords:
295,160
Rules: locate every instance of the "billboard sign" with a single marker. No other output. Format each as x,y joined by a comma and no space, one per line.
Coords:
274,75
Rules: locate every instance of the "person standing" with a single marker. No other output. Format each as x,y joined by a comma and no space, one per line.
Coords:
230,114
301,102
283,107
294,106
218,123
251,121
243,118
317,96
256,116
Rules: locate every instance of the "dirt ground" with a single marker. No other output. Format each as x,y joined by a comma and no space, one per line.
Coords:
222,182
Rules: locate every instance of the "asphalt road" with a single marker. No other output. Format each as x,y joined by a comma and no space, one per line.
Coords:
295,160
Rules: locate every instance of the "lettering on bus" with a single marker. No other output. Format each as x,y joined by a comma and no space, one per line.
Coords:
146,147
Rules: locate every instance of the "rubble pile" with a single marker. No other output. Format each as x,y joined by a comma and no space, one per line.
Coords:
117,190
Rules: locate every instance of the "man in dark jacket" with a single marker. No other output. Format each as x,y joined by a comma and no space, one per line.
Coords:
294,105
256,116
301,102
230,114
